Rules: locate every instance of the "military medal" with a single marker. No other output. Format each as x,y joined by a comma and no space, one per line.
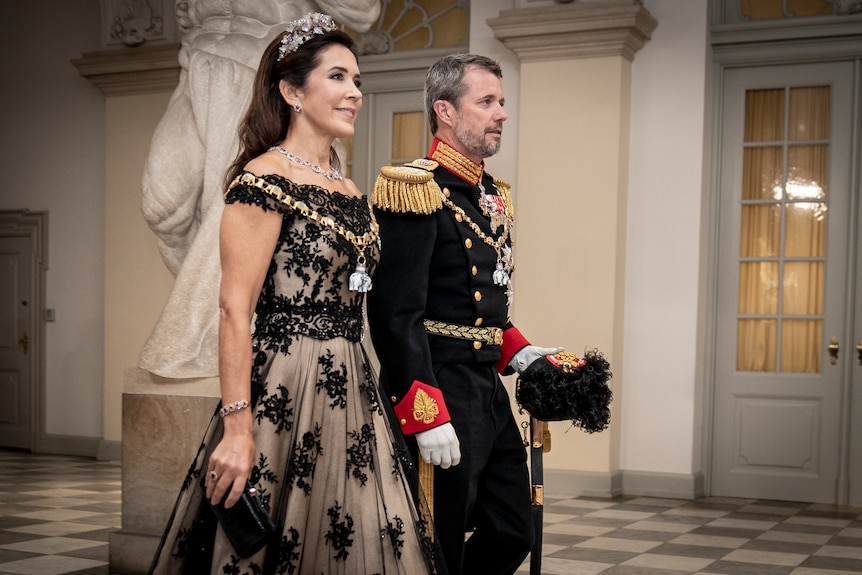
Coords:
501,278
493,208
505,263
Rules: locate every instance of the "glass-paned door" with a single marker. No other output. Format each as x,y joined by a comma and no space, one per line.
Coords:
780,430
784,208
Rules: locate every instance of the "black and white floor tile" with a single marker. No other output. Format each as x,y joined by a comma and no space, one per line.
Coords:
56,513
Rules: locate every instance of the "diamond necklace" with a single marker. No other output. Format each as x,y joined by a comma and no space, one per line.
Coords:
328,174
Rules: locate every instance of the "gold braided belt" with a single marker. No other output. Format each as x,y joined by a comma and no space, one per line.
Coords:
487,335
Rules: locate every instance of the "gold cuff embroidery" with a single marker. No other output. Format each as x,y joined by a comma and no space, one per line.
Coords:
425,409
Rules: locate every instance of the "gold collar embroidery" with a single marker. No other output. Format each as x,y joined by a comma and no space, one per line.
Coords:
457,163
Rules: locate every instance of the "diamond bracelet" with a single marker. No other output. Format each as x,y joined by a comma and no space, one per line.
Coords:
231,407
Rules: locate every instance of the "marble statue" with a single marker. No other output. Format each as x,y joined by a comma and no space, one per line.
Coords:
192,146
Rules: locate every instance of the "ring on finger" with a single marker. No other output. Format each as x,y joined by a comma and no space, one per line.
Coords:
213,475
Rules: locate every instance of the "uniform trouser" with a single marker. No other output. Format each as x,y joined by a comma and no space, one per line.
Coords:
488,493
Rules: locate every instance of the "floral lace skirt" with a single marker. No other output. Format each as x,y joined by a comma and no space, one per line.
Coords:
335,479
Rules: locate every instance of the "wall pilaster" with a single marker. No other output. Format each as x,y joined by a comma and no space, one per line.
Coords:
571,199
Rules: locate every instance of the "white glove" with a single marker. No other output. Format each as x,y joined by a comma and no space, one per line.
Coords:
440,446
521,360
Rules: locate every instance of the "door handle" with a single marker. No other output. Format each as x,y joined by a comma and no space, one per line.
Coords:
833,350
24,342
859,351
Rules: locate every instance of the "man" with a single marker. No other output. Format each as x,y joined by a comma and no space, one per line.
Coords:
439,319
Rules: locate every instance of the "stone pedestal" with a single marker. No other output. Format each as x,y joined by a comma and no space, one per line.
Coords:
163,423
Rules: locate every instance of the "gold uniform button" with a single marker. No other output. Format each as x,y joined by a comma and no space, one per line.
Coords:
469,243
477,296
479,321
446,192
477,345
474,270
403,422
394,399
459,217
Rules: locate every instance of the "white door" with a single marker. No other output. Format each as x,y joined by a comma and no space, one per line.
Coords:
16,342
781,410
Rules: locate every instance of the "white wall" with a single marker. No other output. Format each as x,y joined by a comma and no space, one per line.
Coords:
661,408
52,156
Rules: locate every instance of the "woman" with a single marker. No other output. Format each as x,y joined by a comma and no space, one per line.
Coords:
310,433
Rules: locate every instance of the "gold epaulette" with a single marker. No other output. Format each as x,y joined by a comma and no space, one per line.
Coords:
503,188
408,188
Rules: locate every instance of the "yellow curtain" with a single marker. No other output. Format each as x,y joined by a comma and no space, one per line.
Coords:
408,136
782,234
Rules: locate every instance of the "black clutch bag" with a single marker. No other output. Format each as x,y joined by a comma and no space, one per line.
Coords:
247,524
563,386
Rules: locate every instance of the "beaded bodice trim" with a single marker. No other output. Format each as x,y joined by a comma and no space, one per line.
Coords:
359,242
305,292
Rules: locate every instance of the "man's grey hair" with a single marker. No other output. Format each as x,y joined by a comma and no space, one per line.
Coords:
444,80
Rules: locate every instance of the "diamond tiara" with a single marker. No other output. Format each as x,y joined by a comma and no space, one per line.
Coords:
301,30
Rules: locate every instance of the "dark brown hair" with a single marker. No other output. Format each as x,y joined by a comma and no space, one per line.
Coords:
268,117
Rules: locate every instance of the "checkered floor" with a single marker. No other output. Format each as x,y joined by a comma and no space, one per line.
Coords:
649,536
56,513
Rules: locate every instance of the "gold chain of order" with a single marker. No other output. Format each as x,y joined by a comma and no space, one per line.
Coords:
496,244
359,242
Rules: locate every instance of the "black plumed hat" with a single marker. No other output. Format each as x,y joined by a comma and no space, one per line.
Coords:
563,386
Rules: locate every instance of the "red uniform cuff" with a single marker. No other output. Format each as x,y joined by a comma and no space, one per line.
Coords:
422,408
513,342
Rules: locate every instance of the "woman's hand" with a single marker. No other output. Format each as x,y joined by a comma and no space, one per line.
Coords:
231,463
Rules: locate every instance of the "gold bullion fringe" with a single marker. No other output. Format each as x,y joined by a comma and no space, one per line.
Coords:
405,189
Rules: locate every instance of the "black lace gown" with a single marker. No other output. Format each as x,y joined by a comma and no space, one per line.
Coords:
335,478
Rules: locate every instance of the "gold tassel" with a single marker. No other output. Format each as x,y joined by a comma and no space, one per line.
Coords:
426,483
406,189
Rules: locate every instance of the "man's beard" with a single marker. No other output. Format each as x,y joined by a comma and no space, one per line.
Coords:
476,144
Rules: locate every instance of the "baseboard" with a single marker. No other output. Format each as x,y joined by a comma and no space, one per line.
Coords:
566,483
110,450
670,485
100,449
67,445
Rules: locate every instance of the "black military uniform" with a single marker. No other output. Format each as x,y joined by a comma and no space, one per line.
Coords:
439,319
